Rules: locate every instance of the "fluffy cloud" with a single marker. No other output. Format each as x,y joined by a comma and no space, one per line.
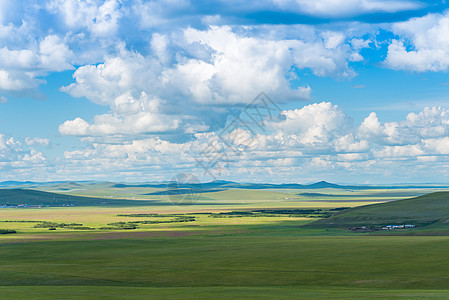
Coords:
37,141
104,83
309,140
314,125
326,125
424,44
237,67
79,32
197,70
142,122
214,66
399,151
431,122
158,13
99,17
437,146
20,69
14,155
31,48
120,83
55,55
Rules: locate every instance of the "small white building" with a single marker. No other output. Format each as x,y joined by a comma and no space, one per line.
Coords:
389,227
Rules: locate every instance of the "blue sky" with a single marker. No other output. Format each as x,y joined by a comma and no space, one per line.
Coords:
139,90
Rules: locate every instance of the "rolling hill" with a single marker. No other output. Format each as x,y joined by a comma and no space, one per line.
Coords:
428,210
26,197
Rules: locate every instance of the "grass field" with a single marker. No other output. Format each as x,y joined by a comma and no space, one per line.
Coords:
252,258
227,256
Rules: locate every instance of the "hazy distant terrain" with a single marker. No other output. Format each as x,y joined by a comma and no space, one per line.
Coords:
93,193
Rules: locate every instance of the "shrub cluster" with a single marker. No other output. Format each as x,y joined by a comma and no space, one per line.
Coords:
46,224
120,226
175,220
81,228
21,221
150,215
310,213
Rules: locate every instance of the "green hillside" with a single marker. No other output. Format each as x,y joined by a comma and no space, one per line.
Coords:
25,197
431,209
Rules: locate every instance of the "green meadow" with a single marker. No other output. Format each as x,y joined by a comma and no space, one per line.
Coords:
233,244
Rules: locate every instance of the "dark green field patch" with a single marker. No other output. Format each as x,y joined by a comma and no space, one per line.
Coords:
246,260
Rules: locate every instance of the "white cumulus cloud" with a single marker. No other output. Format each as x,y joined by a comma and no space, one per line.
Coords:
424,44
194,71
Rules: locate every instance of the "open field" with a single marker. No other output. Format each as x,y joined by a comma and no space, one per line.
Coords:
245,245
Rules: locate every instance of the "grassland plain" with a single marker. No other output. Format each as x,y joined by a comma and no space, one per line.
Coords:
232,257
245,262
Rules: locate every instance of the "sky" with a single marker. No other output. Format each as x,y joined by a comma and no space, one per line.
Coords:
143,90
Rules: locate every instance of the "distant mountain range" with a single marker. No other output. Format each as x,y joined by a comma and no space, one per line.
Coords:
223,185
218,185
